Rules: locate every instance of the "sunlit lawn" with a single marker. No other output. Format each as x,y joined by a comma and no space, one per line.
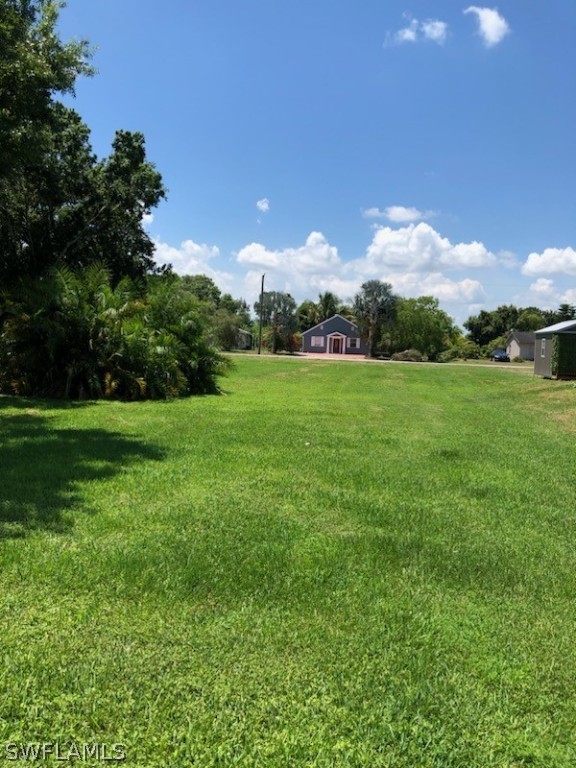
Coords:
330,565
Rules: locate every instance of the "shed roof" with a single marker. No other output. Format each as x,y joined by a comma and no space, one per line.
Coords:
566,326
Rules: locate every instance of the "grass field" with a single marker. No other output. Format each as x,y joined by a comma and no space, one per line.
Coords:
329,565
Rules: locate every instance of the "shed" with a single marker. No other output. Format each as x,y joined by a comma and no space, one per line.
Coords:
555,351
244,339
335,336
520,344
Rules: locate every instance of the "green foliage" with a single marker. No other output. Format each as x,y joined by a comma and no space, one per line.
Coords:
421,324
203,287
564,355
74,335
409,356
307,315
58,203
278,311
374,309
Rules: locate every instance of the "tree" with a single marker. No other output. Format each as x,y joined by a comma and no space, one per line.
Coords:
530,319
327,305
58,203
73,334
422,325
203,287
307,315
34,64
278,310
374,308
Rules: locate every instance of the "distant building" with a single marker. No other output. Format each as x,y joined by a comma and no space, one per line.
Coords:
520,344
335,336
244,339
555,351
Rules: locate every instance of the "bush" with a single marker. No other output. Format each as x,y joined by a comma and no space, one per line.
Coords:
71,335
409,356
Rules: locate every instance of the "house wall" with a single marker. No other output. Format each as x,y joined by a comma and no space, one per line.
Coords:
515,349
543,356
335,324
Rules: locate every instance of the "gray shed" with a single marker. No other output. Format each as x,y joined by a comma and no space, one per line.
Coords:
555,351
335,336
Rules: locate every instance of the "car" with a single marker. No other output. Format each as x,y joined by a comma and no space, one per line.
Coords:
499,356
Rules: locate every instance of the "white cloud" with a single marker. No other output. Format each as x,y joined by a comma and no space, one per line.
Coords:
431,29
408,34
414,284
316,255
568,297
192,259
263,205
435,30
397,214
492,27
543,287
419,248
551,261
147,220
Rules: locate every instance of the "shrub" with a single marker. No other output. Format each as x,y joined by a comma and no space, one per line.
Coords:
409,356
71,335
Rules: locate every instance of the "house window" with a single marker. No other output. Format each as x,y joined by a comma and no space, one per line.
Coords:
543,348
317,341
353,343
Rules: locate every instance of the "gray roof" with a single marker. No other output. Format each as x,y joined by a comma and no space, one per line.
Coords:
522,337
566,326
323,322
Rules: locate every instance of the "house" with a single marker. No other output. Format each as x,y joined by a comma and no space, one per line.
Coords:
520,344
555,351
244,339
335,336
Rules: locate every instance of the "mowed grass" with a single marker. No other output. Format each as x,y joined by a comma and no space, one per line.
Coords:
330,565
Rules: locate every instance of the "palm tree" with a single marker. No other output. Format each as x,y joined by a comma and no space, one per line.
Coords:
327,305
374,306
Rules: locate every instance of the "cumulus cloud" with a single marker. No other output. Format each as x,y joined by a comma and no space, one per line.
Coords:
492,27
147,220
551,261
543,287
397,214
316,255
431,29
263,205
419,248
414,284
192,259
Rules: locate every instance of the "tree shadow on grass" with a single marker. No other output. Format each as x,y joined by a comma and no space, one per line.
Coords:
43,466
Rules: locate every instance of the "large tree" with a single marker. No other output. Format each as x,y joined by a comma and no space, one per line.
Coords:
278,311
374,308
58,203
422,325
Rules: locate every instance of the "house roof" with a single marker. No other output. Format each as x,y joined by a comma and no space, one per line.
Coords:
566,326
522,337
328,319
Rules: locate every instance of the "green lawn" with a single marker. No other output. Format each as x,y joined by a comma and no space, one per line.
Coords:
330,565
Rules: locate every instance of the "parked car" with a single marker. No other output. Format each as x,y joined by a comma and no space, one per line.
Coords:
499,356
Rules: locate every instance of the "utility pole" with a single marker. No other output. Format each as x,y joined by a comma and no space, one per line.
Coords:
261,314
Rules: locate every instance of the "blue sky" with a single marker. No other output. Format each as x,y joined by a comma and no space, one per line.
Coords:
328,142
